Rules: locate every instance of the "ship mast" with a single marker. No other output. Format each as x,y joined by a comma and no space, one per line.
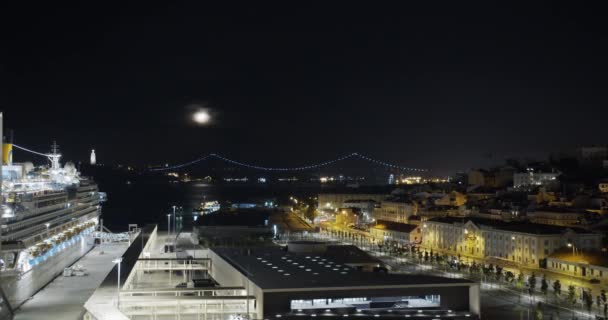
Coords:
54,156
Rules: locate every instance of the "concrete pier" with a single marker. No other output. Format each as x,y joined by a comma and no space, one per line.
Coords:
64,297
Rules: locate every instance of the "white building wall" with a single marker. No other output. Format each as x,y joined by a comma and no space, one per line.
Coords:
227,276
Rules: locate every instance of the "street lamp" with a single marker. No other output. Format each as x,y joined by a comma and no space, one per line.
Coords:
47,229
118,261
168,224
570,245
2,226
174,224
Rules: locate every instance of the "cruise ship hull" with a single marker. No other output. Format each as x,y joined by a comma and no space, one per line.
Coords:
19,288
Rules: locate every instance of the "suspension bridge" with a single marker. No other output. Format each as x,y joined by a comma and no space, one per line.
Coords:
312,166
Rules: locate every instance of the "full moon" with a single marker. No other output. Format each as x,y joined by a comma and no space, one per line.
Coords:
201,117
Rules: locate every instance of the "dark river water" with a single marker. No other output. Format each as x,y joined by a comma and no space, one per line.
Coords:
149,202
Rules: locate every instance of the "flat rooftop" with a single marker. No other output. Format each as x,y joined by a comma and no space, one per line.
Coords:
274,268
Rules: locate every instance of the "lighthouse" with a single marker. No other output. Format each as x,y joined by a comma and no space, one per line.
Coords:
93,158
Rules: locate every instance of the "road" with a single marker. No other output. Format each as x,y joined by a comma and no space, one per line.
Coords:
290,221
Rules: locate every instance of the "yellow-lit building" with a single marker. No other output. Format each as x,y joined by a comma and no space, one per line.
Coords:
337,200
428,213
556,218
579,263
517,242
346,217
396,211
453,198
397,232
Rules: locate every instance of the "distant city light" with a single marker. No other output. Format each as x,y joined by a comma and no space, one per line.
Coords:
201,117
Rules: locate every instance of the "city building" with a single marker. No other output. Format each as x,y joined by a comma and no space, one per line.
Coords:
495,178
304,279
366,207
556,216
585,264
532,178
312,279
516,242
496,214
398,232
603,186
453,198
431,212
337,200
396,210
592,154
347,217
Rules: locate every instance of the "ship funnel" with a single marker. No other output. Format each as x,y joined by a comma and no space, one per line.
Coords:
7,149
7,154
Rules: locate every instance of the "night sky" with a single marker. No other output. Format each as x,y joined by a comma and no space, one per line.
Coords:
445,87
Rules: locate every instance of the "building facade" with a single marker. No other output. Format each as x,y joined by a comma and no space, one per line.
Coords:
347,217
585,265
396,211
520,243
338,200
453,198
531,178
496,178
556,218
592,153
366,207
398,232
307,283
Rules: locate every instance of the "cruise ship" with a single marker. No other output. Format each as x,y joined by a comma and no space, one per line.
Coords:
207,207
48,218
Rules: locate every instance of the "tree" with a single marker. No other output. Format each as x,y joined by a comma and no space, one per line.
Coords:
310,212
544,286
532,282
498,274
571,298
490,268
509,277
588,299
473,267
539,311
520,280
557,288
486,271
